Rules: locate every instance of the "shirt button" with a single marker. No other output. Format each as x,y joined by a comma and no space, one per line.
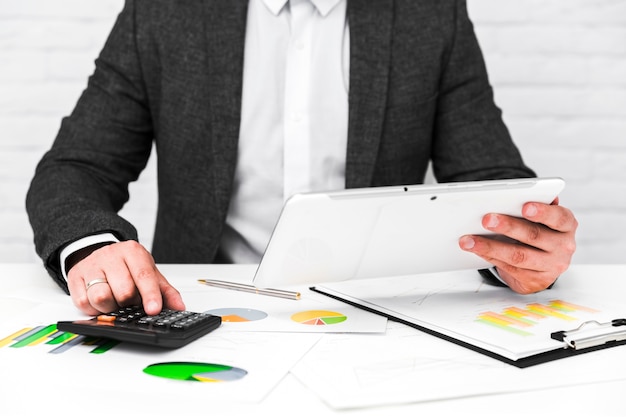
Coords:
299,45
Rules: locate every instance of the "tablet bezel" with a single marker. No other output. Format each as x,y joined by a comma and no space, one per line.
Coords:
371,232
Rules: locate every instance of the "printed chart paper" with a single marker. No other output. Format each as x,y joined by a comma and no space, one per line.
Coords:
460,305
412,366
223,366
313,313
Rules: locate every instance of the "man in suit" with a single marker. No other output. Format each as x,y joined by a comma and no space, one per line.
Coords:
247,102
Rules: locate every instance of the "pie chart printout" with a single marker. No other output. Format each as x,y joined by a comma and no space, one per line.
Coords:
195,371
238,315
318,317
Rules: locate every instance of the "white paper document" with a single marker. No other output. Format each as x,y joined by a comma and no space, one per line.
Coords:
461,306
313,313
223,366
411,366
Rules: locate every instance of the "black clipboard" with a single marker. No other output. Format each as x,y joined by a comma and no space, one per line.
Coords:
588,337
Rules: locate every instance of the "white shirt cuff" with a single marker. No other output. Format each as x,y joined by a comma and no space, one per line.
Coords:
83,243
494,271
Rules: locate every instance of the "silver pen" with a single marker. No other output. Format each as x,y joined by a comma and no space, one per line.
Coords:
292,295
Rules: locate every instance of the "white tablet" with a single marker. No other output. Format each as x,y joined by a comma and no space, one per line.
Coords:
389,231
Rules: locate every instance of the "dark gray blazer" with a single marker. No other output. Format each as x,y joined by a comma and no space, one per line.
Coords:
170,74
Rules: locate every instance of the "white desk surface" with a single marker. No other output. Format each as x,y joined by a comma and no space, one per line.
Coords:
290,397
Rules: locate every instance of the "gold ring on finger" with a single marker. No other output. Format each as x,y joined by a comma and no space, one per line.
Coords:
95,281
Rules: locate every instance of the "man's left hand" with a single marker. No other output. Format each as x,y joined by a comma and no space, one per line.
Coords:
542,246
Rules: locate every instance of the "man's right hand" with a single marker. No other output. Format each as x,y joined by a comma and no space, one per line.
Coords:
118,275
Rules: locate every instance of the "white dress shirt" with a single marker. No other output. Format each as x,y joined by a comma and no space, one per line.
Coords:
294,118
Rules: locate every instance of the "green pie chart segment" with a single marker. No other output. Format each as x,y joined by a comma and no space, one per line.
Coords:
195,371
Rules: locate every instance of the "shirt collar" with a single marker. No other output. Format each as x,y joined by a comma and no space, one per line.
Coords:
323,6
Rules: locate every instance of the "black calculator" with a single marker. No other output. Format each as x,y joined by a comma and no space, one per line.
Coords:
168,329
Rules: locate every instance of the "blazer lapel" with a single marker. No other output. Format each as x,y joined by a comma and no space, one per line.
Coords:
370,48
225,27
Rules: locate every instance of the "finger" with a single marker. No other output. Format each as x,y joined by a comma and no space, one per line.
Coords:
171,297
501,253
78,292
155,291
102,263
90,290
527,232
100,295
553,216
122,286
524,281
146,277
531,278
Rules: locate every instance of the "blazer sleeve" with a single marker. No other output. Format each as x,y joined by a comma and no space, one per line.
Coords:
472,141
81,183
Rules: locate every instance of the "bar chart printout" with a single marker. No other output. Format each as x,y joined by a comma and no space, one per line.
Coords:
521,320
58,341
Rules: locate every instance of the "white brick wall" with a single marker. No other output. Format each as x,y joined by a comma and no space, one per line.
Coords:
559,72
558,68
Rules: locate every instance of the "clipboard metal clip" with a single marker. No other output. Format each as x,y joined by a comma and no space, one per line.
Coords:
593,334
